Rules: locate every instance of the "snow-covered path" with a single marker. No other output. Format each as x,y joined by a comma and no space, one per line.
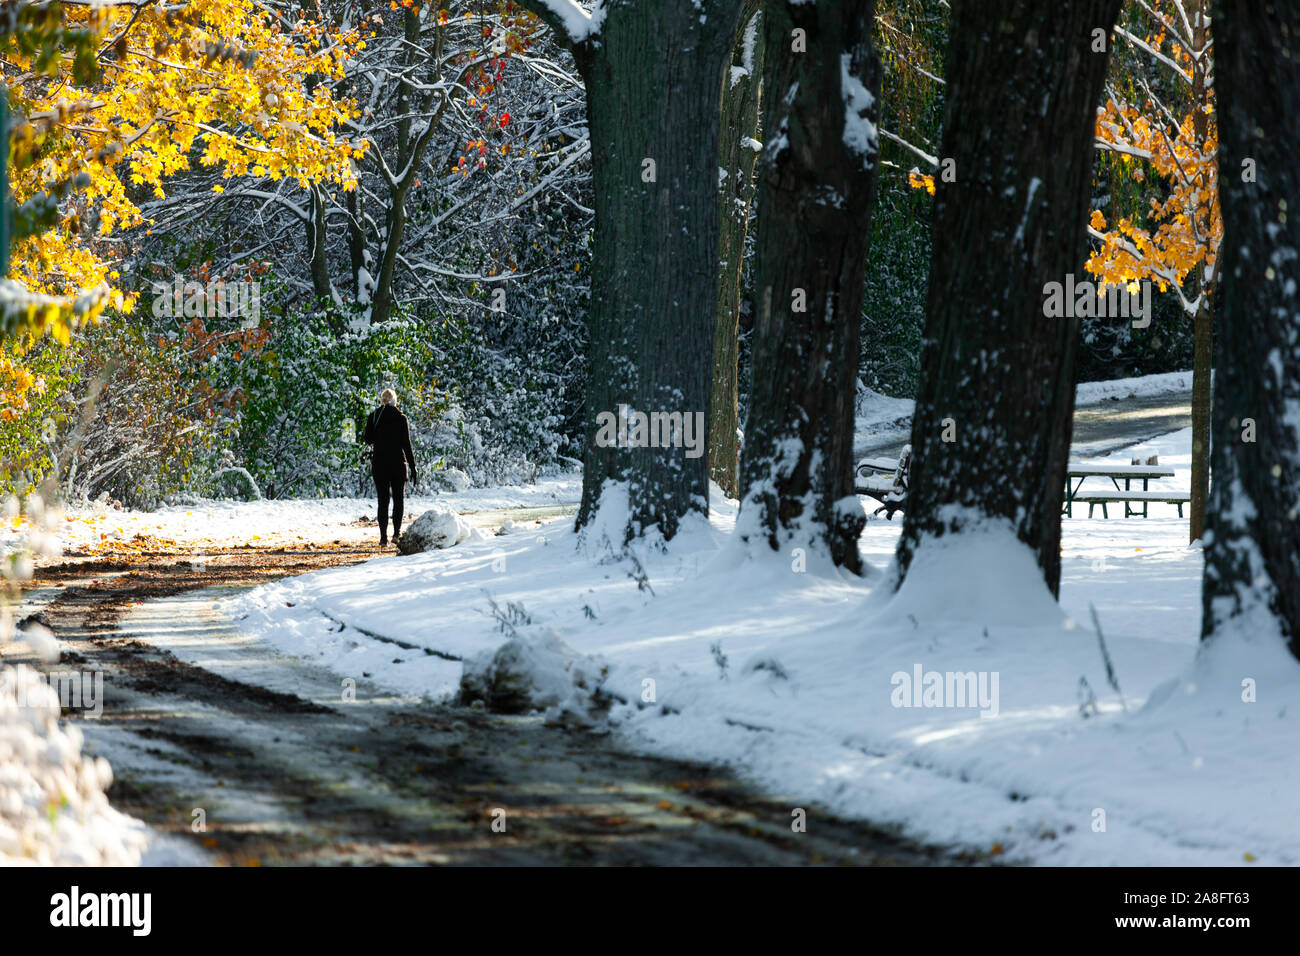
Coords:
229,748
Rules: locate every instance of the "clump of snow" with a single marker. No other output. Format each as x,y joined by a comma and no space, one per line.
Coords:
859,132
40,639
579,23
437,527
53,810
534,670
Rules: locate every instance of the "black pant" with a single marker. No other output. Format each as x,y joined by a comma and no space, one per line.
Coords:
390,481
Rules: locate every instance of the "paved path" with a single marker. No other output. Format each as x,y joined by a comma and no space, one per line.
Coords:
1098,429
198,717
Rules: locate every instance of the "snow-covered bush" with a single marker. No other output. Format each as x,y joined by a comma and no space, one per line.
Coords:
451,479
304,401
128,409
53,809
514,391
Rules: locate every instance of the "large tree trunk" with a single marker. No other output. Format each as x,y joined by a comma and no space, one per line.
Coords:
738,153
997,375
817,177
653,74
1202,353
1252,552
1203,320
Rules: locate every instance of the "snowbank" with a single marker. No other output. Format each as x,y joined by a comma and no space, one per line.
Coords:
1144,386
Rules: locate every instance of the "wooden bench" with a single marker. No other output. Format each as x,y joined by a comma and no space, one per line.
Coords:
1094,498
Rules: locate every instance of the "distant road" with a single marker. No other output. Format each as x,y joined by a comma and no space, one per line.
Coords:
1099,429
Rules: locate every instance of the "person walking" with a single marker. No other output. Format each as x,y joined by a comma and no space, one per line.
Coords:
389,432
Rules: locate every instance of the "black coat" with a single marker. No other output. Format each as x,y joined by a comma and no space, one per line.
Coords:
388,430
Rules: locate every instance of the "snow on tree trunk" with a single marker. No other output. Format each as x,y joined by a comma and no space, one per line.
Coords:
1252,541
653,74
817,177
991,433
739,154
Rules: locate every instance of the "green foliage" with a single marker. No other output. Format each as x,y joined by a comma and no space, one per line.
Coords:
38,29
303,400
893,309
1112,348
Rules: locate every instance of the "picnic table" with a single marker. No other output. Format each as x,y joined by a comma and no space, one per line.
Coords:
886,479
1077,473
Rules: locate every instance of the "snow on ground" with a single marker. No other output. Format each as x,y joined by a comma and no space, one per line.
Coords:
283,521
797,678
1145,386
879,418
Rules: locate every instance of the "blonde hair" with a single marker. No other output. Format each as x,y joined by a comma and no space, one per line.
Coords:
388,397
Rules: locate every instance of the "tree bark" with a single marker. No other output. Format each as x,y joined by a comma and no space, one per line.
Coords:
1203,320
997,375
741,86
381,305
357,239
817,178
411,143
653,74
316,246
1202,403
1252,540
